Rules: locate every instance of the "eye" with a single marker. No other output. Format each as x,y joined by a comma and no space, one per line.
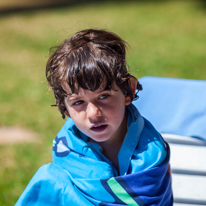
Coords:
78,102
104,96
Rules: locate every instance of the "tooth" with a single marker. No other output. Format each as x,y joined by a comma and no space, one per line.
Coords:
96,126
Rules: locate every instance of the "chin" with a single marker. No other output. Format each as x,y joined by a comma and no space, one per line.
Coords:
99,139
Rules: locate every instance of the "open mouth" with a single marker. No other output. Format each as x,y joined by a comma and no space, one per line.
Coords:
99,128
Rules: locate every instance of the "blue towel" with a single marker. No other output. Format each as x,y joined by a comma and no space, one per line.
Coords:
52,185
81,175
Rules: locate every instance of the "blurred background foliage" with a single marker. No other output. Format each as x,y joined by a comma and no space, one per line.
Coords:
167,38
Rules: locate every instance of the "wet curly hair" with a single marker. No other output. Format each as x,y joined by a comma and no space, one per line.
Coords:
88,59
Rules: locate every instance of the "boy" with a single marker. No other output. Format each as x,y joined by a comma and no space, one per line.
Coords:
106,153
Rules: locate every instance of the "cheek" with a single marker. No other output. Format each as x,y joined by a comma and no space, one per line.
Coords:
117,112
78,117
73,114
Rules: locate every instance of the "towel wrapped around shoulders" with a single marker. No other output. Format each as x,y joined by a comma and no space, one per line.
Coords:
81,175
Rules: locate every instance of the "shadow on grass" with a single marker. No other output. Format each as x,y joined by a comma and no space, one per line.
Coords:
50,4
53,4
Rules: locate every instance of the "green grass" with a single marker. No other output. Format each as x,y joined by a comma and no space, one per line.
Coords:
166,38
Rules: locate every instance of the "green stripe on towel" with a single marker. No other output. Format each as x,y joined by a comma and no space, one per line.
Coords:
119,191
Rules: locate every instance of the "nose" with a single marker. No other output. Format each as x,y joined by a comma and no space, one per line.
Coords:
93,110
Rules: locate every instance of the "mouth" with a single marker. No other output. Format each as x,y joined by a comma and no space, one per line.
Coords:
98,127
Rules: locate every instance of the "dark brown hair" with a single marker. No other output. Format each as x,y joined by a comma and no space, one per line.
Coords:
88,59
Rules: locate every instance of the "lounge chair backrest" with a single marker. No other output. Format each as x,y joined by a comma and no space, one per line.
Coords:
175,106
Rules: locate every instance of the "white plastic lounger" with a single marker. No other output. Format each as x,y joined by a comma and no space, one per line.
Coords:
177,108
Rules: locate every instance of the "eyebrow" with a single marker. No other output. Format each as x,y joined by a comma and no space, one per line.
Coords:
77,97
69,97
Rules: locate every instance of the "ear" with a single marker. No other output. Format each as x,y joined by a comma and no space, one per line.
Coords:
133,86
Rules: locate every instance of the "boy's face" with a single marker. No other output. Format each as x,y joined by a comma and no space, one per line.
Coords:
99,114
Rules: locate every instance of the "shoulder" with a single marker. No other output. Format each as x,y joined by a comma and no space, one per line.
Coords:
148,133
69,138
50,186
151,149
41,186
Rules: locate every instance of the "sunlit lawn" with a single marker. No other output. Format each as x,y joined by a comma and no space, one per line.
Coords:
166,39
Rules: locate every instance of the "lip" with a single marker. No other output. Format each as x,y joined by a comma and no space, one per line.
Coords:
98,127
